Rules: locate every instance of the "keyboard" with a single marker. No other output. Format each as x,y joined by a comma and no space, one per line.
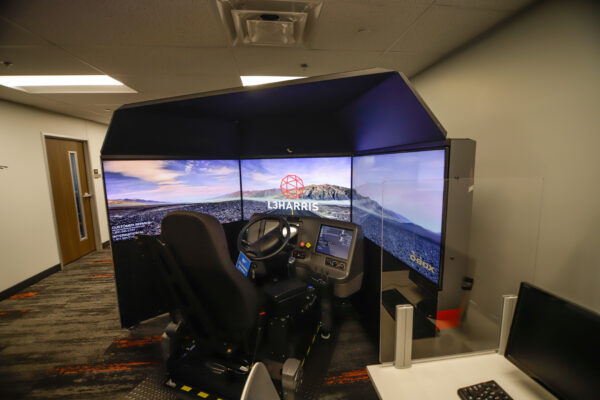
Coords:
489,390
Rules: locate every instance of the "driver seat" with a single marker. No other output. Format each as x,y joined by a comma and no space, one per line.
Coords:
229,301
219,316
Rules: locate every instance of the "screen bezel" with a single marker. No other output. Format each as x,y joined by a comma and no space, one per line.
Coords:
336,227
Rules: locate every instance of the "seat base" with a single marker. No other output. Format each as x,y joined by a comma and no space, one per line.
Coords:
209,375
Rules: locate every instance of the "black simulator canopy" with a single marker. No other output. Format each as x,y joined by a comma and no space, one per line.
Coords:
348,113
335,116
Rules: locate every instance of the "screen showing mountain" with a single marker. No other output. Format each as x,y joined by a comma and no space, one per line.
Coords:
297,186
141,192
398,199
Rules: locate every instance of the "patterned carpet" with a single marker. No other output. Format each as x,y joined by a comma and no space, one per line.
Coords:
61,338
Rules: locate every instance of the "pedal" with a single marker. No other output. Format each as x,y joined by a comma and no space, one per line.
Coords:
291,375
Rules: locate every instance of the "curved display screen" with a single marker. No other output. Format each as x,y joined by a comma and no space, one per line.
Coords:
140,193
297,186
404,192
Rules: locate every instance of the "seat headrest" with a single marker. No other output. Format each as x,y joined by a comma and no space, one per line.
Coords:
191,233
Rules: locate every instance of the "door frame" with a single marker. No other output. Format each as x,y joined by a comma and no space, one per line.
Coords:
91,187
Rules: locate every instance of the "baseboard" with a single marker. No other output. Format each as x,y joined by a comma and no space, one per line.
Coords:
5,294
106,245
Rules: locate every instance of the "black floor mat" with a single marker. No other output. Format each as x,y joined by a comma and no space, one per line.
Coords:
334,369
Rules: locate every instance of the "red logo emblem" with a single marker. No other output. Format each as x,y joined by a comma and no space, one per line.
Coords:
292,186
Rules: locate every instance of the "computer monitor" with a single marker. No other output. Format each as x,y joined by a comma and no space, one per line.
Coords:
312,186
557,343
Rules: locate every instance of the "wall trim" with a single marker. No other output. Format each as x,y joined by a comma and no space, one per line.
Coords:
5,294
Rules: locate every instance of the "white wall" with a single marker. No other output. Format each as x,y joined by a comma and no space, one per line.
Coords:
529,94
28,242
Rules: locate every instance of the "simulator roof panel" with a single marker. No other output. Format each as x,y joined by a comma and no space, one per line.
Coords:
334,114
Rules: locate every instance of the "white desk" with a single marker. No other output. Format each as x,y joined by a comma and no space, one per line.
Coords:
442,378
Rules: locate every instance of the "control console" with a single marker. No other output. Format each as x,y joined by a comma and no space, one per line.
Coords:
326,250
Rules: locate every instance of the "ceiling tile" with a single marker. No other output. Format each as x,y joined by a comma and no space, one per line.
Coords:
408,63
286,62
170,48
442,29
12,35
102,109
42,60
150,60
39,101
508,5
77,99
123,22
362,26
175,85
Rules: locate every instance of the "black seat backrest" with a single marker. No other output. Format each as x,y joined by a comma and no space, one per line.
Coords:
198,245
182,302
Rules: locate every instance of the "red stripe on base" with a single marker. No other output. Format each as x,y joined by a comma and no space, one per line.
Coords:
447,319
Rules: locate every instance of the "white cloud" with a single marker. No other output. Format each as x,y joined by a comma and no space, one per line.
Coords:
147,170
182,193
263,177
218,171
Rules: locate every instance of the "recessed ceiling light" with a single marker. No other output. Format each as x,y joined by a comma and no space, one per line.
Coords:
252,80
65,84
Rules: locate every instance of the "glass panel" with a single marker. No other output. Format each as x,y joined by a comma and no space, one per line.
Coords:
455,276
77,191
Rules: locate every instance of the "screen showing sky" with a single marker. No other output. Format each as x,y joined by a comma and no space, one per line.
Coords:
297,186
171,181
410,184
265,174
407,189
141,192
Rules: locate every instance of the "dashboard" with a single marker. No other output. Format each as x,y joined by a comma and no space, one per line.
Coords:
323,248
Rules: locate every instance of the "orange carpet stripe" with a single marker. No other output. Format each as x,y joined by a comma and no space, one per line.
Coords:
107,261
8,312
137,341
355,376
102,275
22,295
79,369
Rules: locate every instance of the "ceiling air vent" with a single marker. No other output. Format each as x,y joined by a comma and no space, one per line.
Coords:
269,23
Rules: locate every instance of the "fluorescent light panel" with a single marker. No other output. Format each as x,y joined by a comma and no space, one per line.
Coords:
253,80
65,84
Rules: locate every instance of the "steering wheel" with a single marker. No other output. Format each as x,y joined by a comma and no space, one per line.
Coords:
270,244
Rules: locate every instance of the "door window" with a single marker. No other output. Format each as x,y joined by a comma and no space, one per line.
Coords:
77,191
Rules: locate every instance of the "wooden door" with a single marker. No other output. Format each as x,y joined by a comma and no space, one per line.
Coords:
72,201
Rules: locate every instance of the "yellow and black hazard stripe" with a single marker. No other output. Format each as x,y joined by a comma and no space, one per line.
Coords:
310,345
200,394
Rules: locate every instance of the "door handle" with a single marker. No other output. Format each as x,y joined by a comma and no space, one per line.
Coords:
87,195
